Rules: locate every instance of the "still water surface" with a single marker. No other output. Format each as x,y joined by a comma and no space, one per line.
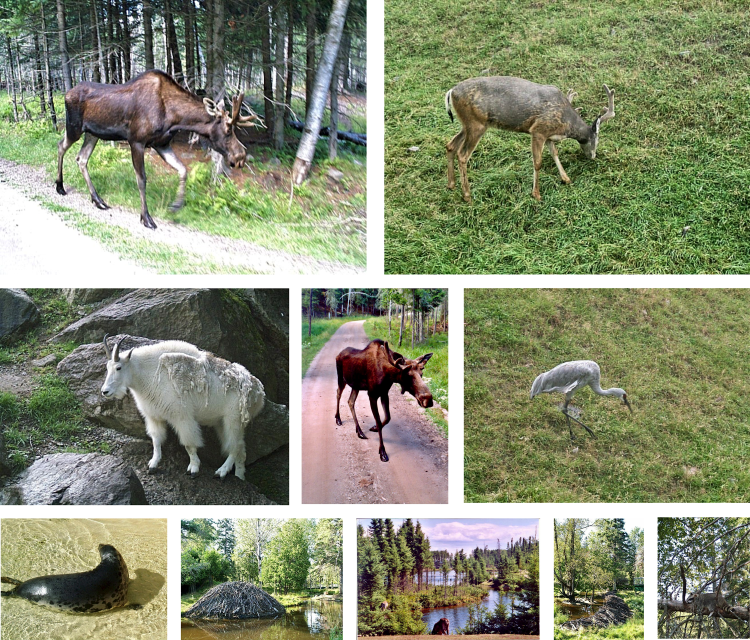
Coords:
458,616
313,619
32,548
576,611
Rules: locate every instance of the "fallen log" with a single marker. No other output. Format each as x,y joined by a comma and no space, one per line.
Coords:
613,612
348,136
677,605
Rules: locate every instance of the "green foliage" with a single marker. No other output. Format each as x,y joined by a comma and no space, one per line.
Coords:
672,158
322,330
630,630
10,408
673,350
287,564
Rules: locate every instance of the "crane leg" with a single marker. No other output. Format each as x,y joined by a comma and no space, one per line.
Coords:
570,417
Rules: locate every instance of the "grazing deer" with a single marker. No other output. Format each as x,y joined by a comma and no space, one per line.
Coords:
514,104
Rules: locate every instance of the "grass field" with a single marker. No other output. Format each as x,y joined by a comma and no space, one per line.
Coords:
631,630
320,220
674,155
681,355
322,330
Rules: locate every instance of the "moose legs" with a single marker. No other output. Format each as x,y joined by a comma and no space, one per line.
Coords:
463,145
378,425
136,152
89,143
169,156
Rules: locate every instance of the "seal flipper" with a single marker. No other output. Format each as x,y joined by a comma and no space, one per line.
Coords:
13,581
134,606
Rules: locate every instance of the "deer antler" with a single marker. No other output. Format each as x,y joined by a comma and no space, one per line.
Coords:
244,121
609,112
571,94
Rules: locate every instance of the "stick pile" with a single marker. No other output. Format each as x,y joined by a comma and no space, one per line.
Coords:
235,600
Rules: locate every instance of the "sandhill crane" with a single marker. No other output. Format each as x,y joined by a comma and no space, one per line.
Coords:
567,378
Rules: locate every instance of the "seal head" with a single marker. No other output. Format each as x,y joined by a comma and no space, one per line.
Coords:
104,587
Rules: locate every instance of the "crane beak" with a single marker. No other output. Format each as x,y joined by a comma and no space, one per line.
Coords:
625,400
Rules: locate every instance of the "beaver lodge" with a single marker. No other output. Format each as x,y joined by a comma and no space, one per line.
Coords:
614,611
235,601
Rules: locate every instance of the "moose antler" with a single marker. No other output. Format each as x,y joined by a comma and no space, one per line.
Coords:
609,112
212,108
244,121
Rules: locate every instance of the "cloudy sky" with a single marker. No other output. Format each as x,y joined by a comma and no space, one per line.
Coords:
467,533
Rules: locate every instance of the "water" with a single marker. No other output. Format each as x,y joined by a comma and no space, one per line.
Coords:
458,616
313,619
576,611
32,548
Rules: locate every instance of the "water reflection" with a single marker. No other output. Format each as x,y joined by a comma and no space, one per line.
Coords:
459,616
578,610
313,619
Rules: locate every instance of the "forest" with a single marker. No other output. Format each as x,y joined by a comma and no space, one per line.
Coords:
595,560
401,577
301,66
296,557
703,577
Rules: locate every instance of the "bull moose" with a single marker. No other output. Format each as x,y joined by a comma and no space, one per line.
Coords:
147,112
375,369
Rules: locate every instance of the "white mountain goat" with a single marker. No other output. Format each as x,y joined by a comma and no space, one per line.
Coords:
175,382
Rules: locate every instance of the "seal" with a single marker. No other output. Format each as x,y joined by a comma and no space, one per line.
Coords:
104,587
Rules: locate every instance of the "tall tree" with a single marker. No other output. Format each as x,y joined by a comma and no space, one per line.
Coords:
306,149
279,76
62,38
148,34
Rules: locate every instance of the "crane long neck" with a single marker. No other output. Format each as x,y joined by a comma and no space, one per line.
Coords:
596,387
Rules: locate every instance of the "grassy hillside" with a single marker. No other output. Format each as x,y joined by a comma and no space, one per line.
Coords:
674,155
682,357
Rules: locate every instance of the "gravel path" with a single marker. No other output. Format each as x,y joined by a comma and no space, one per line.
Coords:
35,240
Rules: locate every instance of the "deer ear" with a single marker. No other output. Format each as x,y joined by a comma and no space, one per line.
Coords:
578,110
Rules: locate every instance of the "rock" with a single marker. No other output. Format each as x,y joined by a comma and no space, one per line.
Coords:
242,326
89,296
44,362
335,174
73,478
18,313
86,368
4,464
413,149
615,611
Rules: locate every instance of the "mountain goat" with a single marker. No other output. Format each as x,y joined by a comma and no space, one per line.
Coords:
175,382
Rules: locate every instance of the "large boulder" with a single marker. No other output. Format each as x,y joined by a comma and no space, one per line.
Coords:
18,313
86,368
232,324
89,296
74,478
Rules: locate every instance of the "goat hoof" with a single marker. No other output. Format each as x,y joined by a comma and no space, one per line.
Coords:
151,471
192,474
383,456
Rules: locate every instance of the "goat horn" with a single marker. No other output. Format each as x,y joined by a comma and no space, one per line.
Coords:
116,350
106,347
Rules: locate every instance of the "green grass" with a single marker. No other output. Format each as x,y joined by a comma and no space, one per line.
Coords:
322,330
321,220
631,630
679,353
674,156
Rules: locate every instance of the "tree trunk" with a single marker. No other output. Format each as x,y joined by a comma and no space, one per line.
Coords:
47,70
209,51
309,315
38,81
310,27
188,10
126,44
279,75
265,47
401,328
63,41
118,34
345,55
173,48
306,149
333,126
289,57
217,41
249,70
11,78
112,75
148,33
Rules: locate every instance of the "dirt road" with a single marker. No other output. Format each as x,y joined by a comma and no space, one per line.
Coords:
339,468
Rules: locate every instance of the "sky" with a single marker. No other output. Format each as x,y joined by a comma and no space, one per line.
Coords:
467,533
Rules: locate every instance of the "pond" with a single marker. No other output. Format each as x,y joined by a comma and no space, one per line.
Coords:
313,619
39,547
578,610
458,616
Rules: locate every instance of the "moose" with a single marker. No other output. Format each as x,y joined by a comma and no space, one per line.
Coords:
514,104
147,112
375,369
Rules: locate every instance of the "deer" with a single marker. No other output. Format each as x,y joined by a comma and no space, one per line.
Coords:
514,104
